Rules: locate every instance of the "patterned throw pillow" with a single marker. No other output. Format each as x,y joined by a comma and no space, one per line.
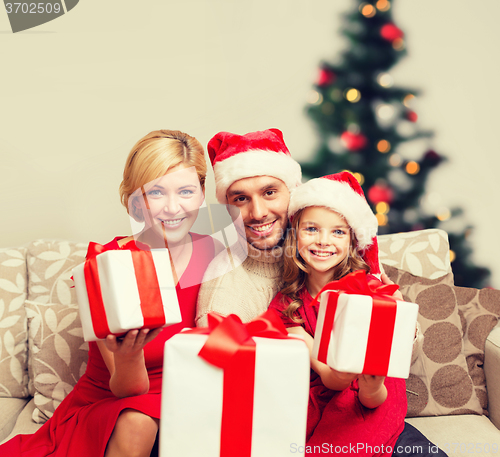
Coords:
479,312
58,354
423,253
50,266
13,330
439,383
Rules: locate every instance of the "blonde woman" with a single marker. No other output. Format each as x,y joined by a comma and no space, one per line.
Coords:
114,409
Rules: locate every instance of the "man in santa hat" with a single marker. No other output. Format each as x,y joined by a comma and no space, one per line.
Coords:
254,173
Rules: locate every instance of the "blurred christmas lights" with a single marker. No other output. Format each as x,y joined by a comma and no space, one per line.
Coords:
327,108
383,5
395,160
360,178
382,219
398,44
367,10
385,79
443,214
453,256
382,208
353,95
385,111
412,168
407,101
315,98
383,146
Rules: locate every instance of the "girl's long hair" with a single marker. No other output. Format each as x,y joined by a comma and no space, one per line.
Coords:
295,270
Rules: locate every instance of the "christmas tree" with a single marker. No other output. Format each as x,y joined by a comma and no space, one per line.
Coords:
363,119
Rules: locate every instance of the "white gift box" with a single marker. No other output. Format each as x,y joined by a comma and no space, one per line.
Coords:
192,399
348,341
119,289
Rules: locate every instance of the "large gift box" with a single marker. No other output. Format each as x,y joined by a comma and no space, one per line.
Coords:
362,329
234,390
121,290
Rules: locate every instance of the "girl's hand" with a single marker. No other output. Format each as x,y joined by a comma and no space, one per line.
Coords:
385,280
132,343
372,391
335,380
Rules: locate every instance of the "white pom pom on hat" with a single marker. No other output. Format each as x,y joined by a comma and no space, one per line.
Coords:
342,193
261,153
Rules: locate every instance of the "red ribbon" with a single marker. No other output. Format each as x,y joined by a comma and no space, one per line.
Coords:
147,284
383,318
230,346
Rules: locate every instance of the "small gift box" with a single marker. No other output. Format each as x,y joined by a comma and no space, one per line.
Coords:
234,389
362,329
121,290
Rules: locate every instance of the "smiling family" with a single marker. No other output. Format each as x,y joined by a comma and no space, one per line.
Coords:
326,229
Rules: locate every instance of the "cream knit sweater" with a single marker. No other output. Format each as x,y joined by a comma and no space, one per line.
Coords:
245,290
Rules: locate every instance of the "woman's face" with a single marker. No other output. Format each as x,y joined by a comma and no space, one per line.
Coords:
170,203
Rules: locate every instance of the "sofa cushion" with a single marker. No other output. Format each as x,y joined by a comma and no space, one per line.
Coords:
439,382
459,436
479,311
50,266
23,424
58,353
13,330
10,408
423,252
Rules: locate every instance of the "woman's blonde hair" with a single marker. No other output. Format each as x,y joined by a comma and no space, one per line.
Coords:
295,270
152,156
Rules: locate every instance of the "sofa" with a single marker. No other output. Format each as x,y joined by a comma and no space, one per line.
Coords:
454,386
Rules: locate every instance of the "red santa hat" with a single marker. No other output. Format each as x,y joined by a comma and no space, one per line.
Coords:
342,193
261,153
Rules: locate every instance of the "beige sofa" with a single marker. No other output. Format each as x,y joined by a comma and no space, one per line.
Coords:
42,352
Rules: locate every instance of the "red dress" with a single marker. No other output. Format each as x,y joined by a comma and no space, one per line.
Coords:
336,420
83,422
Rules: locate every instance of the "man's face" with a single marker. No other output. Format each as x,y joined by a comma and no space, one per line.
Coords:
263,203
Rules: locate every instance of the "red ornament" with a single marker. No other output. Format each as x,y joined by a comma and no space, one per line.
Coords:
380,193
411,116
432,157
325,77
390,32
354,141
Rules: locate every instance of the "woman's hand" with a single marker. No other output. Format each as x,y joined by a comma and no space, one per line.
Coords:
385,280
124,358
372,391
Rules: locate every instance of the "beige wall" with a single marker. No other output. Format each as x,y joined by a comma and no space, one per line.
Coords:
77,93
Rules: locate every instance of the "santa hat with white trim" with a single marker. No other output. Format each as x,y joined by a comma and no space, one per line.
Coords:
261,153
342,193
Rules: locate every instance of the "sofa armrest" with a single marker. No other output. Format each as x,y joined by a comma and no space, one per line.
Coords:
492,373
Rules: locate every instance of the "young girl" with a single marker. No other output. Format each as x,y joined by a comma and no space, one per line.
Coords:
333,234
114,409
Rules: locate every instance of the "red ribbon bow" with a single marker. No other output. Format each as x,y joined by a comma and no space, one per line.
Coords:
358,283
230,346
383,318
147,284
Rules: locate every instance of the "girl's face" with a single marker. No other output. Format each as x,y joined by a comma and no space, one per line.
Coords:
170,203
323,238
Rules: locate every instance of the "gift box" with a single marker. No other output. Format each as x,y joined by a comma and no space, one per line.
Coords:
362,329
227,392
120,290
